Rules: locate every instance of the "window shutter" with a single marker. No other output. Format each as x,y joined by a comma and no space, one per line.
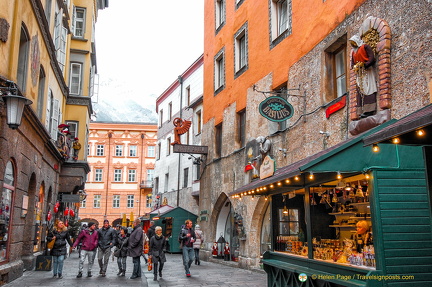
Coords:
48,110
55,119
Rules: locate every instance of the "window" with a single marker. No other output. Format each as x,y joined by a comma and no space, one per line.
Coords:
241,129
132,150
52,115
220,14
83,203
219,80
60,34
150,174
240,50
98,175
41,93
148,200
156,185
166,182
151,151
6,196
198,122
97,201
335,84
117,175
188,95
169,111
168,151
130,200
132,175
198,171
119,150
75,79
78,24
185,177
160,118
100,150
23,53
218,140
159,150
238,3
116,201
73,128
280,20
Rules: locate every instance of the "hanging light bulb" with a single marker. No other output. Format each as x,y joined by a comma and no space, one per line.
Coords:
311,175
285,210
420,133
375,148
339,175
396,140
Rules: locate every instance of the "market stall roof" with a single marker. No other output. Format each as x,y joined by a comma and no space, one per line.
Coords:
406,130
162,209
340,154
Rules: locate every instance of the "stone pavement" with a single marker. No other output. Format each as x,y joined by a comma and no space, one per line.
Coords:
207,274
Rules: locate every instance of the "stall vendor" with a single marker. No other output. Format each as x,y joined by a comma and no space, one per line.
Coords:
363,236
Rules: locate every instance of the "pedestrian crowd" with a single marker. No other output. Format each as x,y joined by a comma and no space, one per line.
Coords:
120,243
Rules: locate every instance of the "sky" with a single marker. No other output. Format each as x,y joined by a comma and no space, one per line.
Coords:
142,46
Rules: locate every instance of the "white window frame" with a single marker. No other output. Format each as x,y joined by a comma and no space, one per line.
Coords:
132,175
220,13
116,201
83,203
97,198
340,76
117,175
75,78
119,150
78,23
241,49
280,19
133,151
150,174
98,175
100,150
130,201
151,151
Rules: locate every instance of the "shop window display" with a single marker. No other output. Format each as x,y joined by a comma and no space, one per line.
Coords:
5,211
340,223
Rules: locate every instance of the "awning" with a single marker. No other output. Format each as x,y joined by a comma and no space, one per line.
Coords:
348,157
406,130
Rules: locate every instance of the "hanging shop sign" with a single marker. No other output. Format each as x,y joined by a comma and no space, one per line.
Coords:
276,109
196,149
268,167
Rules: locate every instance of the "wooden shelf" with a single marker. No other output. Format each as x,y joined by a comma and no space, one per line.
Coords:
343,226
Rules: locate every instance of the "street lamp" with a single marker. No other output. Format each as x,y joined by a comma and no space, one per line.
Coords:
15,107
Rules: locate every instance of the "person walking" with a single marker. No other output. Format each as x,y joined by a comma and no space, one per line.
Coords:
135,247
107,240
89,239
61,235
157,252
198,243
122,244
151,230
187,238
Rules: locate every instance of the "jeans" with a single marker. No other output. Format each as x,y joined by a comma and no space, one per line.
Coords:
103,258
58,264
197,259
91,257
188,257
121,262
137,266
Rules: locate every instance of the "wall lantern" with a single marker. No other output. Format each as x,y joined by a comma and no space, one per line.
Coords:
15,107
82,195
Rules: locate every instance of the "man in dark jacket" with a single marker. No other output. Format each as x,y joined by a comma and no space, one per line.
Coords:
187,238
89,239
107,240
151,230
135,248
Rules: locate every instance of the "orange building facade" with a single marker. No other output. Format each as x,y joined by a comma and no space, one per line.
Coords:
119,186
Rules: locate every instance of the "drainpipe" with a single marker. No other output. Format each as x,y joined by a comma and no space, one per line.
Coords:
141,173
108,174
180,79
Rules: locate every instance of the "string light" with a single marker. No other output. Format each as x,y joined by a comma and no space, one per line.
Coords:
375,148
420,133
396,140
311,175
279,183
287,180
339,175
296,178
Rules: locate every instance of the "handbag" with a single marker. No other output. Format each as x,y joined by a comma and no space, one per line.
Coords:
50,244
146,248
150,264
118,251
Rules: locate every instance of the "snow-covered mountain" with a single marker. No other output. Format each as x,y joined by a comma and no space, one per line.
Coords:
125,110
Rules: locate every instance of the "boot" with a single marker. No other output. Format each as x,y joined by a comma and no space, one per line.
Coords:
155,278
123,273
120,272
79,275
160,273
89,274
196,261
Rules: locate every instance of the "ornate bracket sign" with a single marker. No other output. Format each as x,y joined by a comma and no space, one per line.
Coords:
276,109
268,167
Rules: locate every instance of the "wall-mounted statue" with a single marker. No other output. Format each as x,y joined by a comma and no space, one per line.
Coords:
181,127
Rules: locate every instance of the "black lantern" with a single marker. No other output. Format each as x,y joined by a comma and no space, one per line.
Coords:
221,244
15,107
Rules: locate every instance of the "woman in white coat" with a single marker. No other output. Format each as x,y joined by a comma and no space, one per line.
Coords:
197,244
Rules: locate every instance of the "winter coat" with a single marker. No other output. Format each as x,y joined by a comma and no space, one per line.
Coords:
199,240
157,248
151,231
122,242
185,240
89,241
60,243
107,237
135,246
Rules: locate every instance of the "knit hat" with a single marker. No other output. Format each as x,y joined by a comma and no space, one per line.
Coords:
90,224
197,226
106,221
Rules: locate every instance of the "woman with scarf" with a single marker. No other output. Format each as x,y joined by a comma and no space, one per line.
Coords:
61,235
122,244
157,251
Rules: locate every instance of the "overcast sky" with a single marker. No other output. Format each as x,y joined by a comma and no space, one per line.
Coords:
142,46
